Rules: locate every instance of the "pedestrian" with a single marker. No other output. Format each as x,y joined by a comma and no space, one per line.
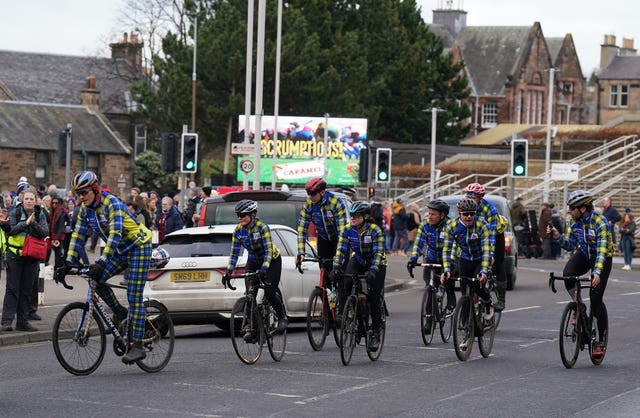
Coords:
544,220
413,222
26,219
612,215
170,219
558,224
399,223
627,238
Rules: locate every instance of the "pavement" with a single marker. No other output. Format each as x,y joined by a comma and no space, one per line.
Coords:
55,297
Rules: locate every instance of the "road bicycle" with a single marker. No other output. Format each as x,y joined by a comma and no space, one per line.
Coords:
79,336
254,322
356,320
577,328
433,310
321,307
469,321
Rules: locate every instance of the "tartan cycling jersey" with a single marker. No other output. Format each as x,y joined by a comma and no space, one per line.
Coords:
329,216
472,242
433,238
256,238
488,211
591,234
368,247
113,223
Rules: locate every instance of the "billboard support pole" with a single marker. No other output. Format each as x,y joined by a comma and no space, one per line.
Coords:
326,144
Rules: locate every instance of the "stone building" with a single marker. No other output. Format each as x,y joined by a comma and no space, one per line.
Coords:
508,71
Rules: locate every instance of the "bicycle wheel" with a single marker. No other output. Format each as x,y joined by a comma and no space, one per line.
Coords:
594,337
276,341
336,327
317,319
375,355
427,317
569,338
486,335
463,328
348,330
159,337
245,329
78,354
446,319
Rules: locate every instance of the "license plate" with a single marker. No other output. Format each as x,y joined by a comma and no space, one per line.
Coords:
190,276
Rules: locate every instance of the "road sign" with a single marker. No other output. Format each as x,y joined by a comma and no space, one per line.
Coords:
566,172
242,149
246,166
122,181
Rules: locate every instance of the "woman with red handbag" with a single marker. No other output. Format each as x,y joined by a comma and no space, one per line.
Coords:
27,219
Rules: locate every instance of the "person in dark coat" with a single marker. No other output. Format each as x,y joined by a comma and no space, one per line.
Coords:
612,215
169,220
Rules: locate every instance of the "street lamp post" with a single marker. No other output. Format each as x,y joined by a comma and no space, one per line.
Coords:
247,84
326,145
259,89
434,126
276,99
547,157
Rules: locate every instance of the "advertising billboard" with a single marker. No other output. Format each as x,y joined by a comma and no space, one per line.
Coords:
300,149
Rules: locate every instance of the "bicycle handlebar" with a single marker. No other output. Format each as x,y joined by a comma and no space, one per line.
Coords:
226,280
576,279
323,262
60,274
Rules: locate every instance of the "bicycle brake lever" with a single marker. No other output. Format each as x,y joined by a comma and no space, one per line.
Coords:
552,282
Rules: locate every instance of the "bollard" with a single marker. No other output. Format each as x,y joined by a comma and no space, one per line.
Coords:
41,284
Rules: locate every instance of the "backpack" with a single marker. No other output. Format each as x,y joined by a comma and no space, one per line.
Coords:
411,223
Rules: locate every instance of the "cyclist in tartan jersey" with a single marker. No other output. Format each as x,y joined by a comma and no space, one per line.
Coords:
591,235
128,246
470,233
366,240
263,256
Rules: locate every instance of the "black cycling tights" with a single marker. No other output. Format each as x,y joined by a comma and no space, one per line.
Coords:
271,283
579,265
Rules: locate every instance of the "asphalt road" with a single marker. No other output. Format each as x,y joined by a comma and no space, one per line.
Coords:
523,377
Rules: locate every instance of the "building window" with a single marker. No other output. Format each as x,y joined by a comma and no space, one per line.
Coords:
624,95
42,161
489,115
567,87
619,95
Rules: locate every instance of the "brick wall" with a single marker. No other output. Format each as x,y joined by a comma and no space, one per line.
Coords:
16,163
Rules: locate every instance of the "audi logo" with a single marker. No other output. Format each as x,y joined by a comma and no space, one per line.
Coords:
189,264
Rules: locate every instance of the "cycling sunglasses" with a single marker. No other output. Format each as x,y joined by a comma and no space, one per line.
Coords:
467,213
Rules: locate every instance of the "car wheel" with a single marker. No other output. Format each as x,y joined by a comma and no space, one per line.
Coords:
223,324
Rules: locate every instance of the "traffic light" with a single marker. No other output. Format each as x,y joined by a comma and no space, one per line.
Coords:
189,154
62,148
169,149
363,169
383,165
519,155
371,192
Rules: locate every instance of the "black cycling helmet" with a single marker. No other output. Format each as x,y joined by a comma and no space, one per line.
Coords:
359,207
578,198
439,205
246,207
467,205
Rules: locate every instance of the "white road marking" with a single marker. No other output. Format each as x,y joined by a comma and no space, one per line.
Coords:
318,374
524,308
629,294
283,395
538,342
343,391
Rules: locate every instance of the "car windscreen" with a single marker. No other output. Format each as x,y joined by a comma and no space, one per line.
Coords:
276,212
188,246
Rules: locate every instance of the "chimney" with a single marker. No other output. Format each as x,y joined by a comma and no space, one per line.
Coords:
452,20
608,50
130,49
90,96
627,48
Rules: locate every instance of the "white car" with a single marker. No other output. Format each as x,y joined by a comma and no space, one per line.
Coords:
190,285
